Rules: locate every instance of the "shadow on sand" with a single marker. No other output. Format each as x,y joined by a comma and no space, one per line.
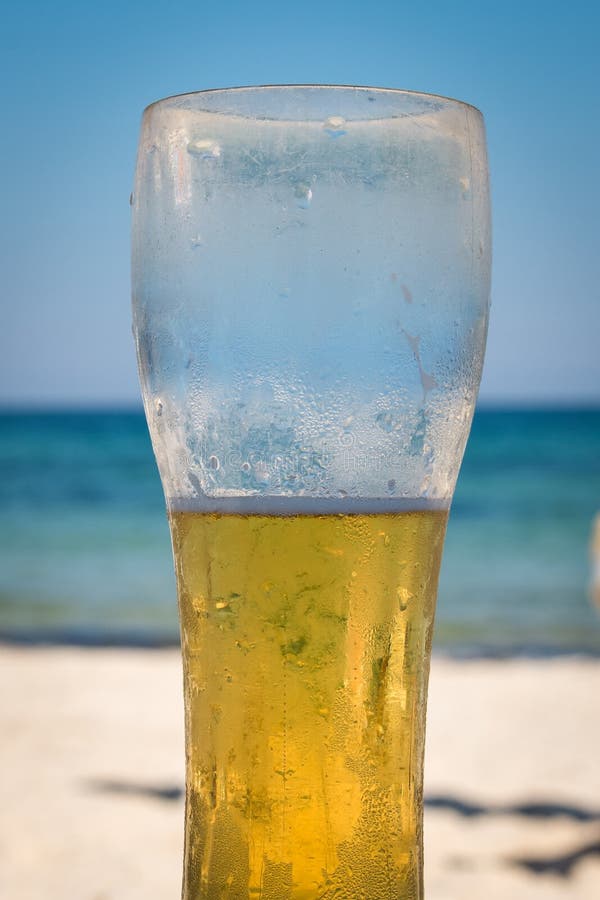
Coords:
135,789
561,865
557,865
537,810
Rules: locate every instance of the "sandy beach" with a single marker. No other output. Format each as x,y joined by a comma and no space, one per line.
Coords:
91,777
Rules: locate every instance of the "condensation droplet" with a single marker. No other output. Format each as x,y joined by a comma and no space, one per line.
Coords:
131,199
197,241
359,308
465,183
204,149
385,420
261,472
284,293
158,407
213,462
404,596
428,381
303,194
406,293
334,126
245,467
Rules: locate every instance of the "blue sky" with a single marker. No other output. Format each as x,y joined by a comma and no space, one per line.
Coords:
75,78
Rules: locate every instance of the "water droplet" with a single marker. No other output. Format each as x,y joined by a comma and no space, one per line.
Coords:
158,407
385,420
245,467
303,194
334,126
391,485
342,493
204,149
213,462
284,293
465,183
406,293
131,198
261,472
428,381
404,596
197,241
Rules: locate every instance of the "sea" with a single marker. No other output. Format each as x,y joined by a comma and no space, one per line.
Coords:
85,555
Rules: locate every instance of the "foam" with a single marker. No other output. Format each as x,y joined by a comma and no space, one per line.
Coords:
272,505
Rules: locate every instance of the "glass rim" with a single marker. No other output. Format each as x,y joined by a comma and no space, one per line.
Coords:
259,88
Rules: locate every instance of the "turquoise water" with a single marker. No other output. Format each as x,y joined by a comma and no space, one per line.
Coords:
85,553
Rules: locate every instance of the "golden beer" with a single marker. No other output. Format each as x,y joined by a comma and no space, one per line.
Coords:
306,643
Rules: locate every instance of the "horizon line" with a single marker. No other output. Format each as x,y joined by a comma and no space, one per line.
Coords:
528,404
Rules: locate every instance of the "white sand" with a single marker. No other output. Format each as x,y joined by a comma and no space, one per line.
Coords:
78,726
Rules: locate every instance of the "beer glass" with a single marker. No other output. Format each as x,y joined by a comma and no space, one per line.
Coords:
310,298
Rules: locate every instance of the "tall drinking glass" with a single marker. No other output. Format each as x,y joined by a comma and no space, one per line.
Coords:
310,299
